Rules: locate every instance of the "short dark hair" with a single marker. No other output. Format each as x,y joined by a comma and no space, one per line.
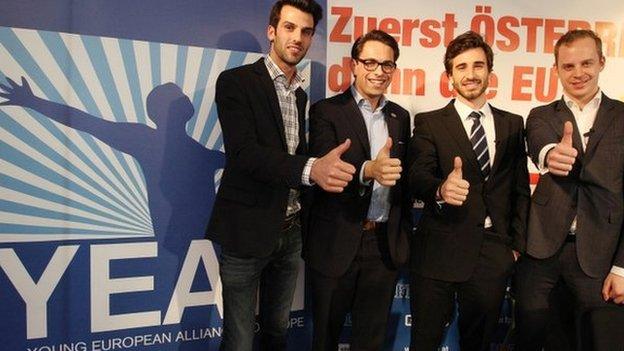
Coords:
574,35
465,42
307,6
376,35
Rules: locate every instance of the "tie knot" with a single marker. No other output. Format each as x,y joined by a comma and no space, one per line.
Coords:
475,115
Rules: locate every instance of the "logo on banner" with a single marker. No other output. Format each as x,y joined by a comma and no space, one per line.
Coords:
110,156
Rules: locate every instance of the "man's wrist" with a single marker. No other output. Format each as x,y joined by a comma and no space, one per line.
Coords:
368,171
364,180
618,271
542,158
307,169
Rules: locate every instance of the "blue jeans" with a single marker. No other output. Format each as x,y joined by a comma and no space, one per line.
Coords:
276,275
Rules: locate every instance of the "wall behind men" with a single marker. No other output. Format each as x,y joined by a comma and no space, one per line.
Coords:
100,221
104,57
238,25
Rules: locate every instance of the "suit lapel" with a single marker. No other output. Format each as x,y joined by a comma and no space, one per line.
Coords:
501,127
601,124
271,94
456,130
302,148
394,127
356,120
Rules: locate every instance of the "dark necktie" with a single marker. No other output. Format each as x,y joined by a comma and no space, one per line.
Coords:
479,144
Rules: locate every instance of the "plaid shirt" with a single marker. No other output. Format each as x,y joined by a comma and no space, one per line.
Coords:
288,106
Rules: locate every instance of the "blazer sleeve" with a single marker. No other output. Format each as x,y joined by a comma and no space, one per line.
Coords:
539,134
262,162
424,179
521,191
324,138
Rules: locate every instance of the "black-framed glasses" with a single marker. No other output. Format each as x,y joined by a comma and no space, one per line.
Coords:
372,64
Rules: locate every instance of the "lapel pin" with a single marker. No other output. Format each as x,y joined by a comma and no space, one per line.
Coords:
392,114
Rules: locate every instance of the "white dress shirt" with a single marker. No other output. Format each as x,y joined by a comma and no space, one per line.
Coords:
487,121
377,130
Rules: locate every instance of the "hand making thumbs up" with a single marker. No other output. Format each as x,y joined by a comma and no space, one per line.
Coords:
454,190
384,169
560,159
330,172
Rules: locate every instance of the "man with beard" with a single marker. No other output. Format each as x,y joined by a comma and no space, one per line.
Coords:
358,238
468,164
256,214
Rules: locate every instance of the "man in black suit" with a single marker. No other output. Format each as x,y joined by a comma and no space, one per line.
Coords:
468,164
257,209
358,238
575,224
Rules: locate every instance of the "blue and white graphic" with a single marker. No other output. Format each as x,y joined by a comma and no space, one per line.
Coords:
119,162
110,156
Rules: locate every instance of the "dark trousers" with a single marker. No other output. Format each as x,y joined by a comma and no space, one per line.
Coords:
534,284
479,300
276,276
366,289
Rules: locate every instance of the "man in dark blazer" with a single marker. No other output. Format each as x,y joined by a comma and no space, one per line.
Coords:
575,223
256,215
468,164
358,238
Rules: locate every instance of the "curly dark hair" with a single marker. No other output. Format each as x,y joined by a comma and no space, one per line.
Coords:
465,42
307,6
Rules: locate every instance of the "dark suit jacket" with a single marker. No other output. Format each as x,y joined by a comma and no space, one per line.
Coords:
250,205
336,222
448,239
592,191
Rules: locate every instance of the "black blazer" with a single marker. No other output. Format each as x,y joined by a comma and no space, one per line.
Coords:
336,220
592,190
250,205
448,238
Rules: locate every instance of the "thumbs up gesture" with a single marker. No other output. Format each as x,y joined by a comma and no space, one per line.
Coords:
560,159
454,190
330,172
385,170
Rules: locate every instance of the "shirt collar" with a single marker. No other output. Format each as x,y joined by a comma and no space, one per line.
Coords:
464,110
275,73
593,103
362,102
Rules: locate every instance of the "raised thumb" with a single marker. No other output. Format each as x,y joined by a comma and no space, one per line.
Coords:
457,166
568,129
340,149
385,150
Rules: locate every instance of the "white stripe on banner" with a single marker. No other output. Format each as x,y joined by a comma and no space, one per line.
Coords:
143,62
112,51
168,62
87,72
218,64
39,182
191,72
118,70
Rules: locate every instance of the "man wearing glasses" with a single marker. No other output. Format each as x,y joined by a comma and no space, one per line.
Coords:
470,169
358,238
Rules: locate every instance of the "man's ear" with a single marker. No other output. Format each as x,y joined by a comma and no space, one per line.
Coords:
271,33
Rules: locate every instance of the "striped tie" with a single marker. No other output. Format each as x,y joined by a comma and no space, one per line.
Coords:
479,144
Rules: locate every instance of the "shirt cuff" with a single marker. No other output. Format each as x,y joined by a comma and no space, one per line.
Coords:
362,181
438,197
618,271
305,176
542,158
